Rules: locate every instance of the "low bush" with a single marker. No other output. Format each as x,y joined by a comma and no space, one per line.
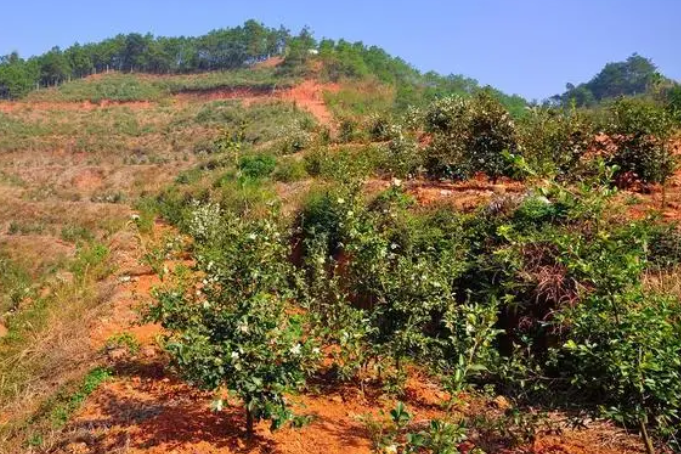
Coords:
403,158
468,136
258,165
290,170
640,132
344,164
554,140
234,332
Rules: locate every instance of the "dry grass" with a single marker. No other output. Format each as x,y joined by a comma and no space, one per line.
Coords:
667,282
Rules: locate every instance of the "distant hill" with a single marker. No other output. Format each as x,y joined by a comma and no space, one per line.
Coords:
244,47
636,75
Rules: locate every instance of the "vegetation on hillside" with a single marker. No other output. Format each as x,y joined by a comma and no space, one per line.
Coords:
224,50
307,258
636,75
540,296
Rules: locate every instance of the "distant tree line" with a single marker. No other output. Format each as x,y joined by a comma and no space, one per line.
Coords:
636,75
226,48
231,48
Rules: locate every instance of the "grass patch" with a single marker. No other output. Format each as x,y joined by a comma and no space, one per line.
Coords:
111,87
360,99
56,412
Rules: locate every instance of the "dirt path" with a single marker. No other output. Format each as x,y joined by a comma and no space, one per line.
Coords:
308,95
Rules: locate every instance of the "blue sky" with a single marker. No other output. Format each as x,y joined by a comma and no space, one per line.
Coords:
529,47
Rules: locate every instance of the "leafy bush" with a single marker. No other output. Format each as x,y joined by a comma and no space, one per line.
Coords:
553,141
92,260
257,166
674,103
378,127
290,170
297,136
349,130
403,156
74,233
640,132
344,164
468,136
625,354
438,436
234,331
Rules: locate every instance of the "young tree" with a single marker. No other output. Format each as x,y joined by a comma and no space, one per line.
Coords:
230,329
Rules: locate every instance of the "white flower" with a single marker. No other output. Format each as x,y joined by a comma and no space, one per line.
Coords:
252,236
397,182
340,201
235,355
392,449
394,246
135,217
216,405
296,349
206,305
316,351
351,213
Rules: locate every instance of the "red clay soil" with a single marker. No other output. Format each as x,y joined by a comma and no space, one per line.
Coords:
308,95
464,195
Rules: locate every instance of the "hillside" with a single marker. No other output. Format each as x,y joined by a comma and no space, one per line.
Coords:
266,249
637,76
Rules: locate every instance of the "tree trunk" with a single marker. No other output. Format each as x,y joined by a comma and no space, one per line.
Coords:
249,423
650,449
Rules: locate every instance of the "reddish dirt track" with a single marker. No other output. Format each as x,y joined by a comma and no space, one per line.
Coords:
309,95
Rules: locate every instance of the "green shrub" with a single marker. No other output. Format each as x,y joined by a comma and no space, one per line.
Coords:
257,166
468,136
25,228
625,355
91,260
344,164
76,233
234,332
403,157
437,436
379,127
349,130
554,140
290,170
664,246
297,136
640,131
674,103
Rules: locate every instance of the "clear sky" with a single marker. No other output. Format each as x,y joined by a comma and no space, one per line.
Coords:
529,47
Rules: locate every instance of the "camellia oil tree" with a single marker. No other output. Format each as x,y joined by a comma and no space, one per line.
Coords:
228,328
